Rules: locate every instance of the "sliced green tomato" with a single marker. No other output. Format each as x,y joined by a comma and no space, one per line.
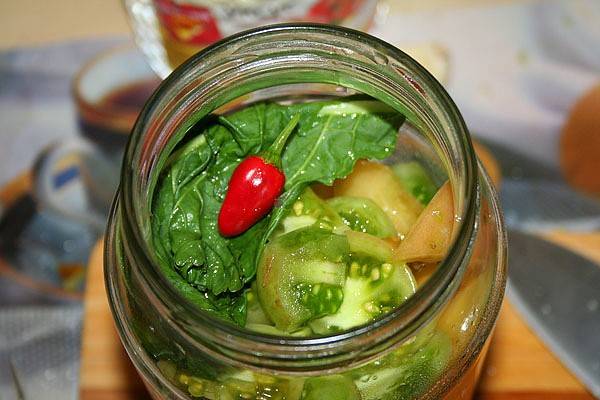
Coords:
364,245
332,387
248,385
363,215
255,314
310,204
369,291
406,373
271,330
300,276
291,223
307,210
416,180
356,107
378,183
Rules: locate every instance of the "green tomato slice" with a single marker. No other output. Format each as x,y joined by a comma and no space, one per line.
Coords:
363,215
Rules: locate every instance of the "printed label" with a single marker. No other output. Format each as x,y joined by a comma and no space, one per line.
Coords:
187,23
200,22
333,11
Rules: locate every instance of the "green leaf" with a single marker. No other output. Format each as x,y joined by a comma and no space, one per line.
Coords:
327,146
185,234
245,248
161,220
247,127
185,164
193,159
230,308
255,127
220,272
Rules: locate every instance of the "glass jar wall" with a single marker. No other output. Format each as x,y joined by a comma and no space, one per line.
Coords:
430,347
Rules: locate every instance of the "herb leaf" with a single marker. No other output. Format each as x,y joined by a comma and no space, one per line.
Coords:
327,146
185,234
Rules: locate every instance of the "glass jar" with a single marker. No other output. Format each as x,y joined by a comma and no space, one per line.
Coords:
171,31
432,346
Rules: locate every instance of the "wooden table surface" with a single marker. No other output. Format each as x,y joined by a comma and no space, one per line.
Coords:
518,366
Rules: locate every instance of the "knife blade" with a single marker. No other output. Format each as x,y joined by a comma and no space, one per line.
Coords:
535,197
17,382
517,165
542,205
558,294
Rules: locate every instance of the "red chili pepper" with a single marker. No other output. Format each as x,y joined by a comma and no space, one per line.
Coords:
254,187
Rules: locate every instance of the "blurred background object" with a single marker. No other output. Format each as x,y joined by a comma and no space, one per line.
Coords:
170,31
51,215
109,92
580,143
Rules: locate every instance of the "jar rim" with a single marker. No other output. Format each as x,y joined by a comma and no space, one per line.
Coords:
405,319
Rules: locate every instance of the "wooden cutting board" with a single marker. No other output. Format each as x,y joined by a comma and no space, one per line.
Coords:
518,366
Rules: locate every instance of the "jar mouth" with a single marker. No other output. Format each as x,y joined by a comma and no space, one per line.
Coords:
213,65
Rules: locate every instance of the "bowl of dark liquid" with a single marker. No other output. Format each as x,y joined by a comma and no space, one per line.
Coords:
109,92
